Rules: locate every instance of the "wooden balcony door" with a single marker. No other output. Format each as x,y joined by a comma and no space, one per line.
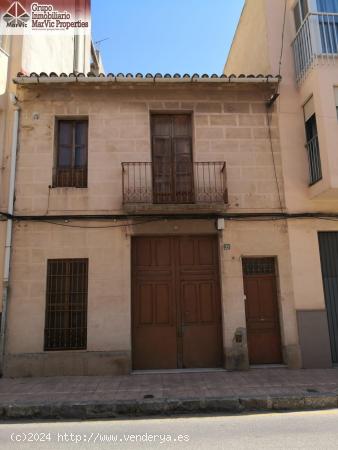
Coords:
172,158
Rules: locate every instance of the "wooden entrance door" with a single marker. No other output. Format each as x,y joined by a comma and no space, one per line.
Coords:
176,308
172,158
261,307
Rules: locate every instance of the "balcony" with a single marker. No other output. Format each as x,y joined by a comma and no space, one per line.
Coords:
316,42
159,187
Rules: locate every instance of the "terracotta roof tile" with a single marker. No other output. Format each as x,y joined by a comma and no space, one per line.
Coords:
139,75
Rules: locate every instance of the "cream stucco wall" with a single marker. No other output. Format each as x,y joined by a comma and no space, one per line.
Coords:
251,33
50,54
56,54
305,260
319,82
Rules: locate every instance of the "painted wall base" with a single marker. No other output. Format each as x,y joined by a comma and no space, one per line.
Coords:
292,356
67,364
314,339
236,356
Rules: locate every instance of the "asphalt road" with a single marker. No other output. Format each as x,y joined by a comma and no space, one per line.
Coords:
304,430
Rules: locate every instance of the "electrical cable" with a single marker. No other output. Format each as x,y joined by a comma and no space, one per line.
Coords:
273,160
99,227
269,104
243,217
282,46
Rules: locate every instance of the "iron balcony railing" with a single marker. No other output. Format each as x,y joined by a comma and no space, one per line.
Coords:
316,42
71,177
315,168
189,183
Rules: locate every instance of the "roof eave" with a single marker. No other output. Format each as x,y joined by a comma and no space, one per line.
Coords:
33,80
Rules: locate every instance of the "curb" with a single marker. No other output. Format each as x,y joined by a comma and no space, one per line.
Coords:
165,407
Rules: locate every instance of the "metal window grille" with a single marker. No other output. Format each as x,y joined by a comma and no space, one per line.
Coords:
257,266
312,144
315,167
66,304
71,167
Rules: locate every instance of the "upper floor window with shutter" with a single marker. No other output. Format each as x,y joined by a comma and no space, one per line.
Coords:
336,98
71,167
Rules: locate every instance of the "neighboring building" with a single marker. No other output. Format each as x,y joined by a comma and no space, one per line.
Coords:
27,54
121,259
307,118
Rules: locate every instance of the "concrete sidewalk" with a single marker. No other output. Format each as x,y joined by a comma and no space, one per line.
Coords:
168,393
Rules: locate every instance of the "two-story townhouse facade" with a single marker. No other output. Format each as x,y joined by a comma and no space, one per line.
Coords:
149,229
299,39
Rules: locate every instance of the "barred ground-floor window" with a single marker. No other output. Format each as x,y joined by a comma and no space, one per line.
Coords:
66,304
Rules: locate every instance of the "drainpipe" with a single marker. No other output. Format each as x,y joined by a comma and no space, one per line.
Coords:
76,63
76,56
9,232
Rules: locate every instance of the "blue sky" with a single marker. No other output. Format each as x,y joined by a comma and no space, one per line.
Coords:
165,35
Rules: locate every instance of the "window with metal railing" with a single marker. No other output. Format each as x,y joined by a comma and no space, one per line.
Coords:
312,143
315,169
70,169
66,304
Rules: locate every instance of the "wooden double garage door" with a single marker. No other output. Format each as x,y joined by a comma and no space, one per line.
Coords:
176,306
